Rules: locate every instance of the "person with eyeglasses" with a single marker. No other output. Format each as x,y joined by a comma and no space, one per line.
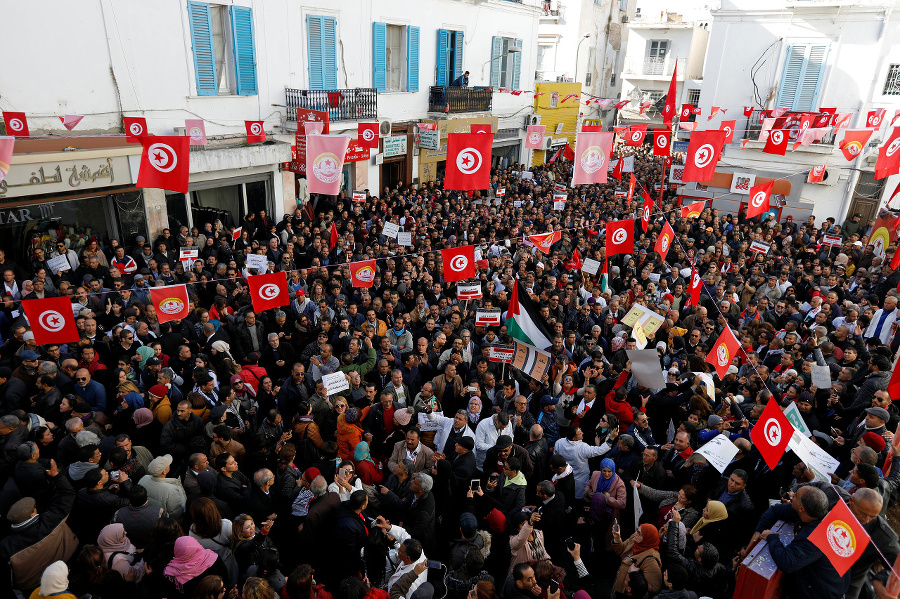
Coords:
90,390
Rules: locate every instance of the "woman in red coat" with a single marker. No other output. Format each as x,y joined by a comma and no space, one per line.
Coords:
366,469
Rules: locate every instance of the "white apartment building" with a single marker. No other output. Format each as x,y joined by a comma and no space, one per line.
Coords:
803,55
229,61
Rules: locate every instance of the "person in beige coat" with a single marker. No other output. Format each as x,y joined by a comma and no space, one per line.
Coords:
411,449
526,543
640,550
168,492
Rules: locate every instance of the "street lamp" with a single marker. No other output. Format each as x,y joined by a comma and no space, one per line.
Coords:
577,52
511,50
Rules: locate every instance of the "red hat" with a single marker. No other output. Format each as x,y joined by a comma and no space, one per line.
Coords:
310,474
497,521
159,391
301,292
875,441
669,297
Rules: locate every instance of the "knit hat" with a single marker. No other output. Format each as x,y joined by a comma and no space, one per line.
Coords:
142,417
82,407
714,420
55,579
875,441
310,474
159,465
468,525
351,415
20,510
158,391
467,443
401,417
496,520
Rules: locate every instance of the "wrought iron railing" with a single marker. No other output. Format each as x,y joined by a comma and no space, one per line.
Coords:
341,104
755,122
459,99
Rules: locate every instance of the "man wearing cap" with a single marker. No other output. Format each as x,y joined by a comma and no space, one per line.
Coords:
36,540
167,492
853,226
159,404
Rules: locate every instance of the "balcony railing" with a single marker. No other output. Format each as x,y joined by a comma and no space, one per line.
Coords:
754,126
341,104
459,99
658,66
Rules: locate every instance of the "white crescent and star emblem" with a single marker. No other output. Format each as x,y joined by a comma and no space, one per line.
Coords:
459,263
758,199
269,291
892,148
52,321
620,236
368,134
646,214
468,161
703,156
636,136
772,430
255,129
136,128
876,120
16,124
777,137
728,131
162,157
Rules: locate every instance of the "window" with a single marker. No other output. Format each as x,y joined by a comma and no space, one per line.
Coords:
505,65
449,57
693,97
395,57
892,81
623,5
655,57
224,49
801,77
321,43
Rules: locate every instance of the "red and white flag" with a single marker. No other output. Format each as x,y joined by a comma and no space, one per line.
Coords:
236,234
459,263
636,135
703,155
695,287
728,128
841,120
313,127
367,135
669,109
686,110
631,185
574,263
619,169
51,320
592,155
480,128
256,132
70,121
693,210
889,156
713,111
171,302
362,274
854,141
776,143
135,128
661,142
748,111
664,241
545,240
468,161
325,162
622,104
722,353
534,137
875,118
758,200
269,290
165,163
840,537
620,237
771,434
196,130
816,174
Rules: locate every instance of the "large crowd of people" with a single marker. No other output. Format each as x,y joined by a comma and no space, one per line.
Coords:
205,457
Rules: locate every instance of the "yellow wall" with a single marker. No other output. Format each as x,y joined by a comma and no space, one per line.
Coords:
428,159
566,113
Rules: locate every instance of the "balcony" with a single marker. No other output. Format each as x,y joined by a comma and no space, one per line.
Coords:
656,66
651,67
754,126
358,104
451,100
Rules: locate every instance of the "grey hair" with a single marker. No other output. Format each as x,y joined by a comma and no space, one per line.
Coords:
262,477
536,432
10,421
318,486
627,440
870,495
546,488
396,371
408,465
73,424
273,336
425,481
48,368
815,502
167,373
86,438
25,450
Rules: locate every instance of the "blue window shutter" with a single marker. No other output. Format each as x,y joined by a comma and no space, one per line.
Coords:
201,40
329,52
516,66
808,94
314,48
244,50
412,59
496,50
443,49
379,56
457,54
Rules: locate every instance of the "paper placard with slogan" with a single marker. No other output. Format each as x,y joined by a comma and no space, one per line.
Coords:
58,263
590,266
719,451
487,318
501,354
335,382
640,339
258,262
501,191
359,196
559,197
469,291
816,459
646,369
517,203
760,247
832,240
821,376
189,253
792,412
559,205
404,238
390,230
650,320
426,424
530,360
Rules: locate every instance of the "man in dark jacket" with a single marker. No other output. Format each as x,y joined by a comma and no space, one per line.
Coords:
866,505
95,504
420,508
249,336
463,465
351,531
179,432
733,493
261,503
708,577
232,485
555,520
496,456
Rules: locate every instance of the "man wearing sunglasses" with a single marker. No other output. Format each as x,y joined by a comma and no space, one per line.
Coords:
90,390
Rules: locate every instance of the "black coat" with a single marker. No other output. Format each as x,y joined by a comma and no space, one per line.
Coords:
419,519
554,524
350,536
260,505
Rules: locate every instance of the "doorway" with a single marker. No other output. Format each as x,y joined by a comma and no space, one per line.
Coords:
867,196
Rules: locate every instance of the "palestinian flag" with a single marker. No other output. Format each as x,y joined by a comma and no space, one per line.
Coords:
524,322
604,276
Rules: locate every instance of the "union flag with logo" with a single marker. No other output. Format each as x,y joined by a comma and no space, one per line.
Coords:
534,137
664,241
51,320
468,161
693,210
840,537
165,163
171,302
325,162
703,155
269,290
592,156
545,240
362,274
695,287
723,352
816,174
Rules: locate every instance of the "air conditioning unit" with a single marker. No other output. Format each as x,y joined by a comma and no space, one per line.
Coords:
532,119
624,18
384,128
548,143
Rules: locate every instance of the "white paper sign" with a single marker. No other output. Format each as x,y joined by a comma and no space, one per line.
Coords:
759,246
646,368
517,203
404,238
188,253
638,508
501,191
487,318
335,382
792,413
58,263
815,458
719,451
559,205
426,424
821,376
654,276
590,266
258,262
390,230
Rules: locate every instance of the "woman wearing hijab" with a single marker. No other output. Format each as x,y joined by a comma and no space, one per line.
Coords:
475,413
120,554
606,493
145,353
189,565
349,432
366,469
640,550
54,583
710,528
146,430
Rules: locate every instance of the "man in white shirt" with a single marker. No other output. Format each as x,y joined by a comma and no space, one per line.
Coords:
487,432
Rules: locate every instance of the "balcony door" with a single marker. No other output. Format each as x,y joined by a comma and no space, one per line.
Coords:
655,57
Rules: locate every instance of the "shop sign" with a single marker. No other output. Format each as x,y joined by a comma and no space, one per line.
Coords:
430,140
355,153
394,146
24,214
63,176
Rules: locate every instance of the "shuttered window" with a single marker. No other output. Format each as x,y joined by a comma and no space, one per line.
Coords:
215,31
457,54
321,43
412,59
395,57
506,66
244,50
443,58
379,53
202,45
801,77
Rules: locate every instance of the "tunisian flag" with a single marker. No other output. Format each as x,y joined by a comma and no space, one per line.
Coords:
840,537
256,132
135,128
645,212
620,237
367,135
545,240
16,124
854,142
723,352
269,290
325,162
669,110
776,142
592,155
362,274
889,156
703,155
758,201
459,263
635,136
573,263
165,163
661,142
695,287
534,138
468,161
664,241
171,302
771,434
728,128
51,320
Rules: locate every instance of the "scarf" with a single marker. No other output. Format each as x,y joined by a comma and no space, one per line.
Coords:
145,353
716,511
400,332
112,539
190,561
604,484
566,472
361,453
473,418
649,539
